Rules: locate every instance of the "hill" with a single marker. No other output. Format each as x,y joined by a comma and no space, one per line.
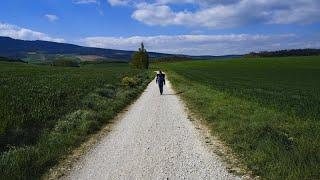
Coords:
48,51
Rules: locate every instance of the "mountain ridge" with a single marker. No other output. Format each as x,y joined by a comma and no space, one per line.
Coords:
20,49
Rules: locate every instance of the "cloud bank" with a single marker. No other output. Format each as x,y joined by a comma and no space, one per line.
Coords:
182,44
206,44
17,32
220,14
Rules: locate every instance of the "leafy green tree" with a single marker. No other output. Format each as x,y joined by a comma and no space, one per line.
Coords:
140,59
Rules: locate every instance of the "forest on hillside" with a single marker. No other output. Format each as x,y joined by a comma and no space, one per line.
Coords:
285,53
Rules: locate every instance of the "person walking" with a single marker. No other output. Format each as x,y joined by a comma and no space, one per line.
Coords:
161,80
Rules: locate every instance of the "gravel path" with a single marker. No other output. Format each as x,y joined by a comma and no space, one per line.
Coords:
153,140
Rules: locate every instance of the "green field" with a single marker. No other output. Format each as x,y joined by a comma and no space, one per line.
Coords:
45,111
266,109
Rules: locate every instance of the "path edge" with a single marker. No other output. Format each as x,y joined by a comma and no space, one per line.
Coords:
215,145
64,167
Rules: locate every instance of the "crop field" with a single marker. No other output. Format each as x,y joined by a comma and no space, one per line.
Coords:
266,109
45,110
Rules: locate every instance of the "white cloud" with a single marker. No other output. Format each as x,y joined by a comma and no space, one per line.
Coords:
90,2
228,14
17,32
51,17
205,44
118,2
85,1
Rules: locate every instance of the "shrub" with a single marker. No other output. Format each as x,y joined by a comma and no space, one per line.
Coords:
107,91
130,81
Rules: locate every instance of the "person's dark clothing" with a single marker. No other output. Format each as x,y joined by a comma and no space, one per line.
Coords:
161,81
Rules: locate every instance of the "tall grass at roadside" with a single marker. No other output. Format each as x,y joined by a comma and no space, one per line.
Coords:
54,110
265,109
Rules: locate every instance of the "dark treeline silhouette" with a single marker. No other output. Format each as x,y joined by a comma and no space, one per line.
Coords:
174,59
4,59
66,62
284,53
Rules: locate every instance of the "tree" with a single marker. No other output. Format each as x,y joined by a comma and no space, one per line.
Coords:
140,59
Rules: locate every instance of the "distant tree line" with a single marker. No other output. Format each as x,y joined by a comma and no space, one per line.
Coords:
174,59
284,53
10,60
66,62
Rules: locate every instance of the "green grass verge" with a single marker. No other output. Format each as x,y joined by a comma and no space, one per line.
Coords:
265,109
47,111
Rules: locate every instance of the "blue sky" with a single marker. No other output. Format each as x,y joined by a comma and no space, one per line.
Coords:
206,27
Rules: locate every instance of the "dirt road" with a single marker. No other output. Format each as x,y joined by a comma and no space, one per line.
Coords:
153,140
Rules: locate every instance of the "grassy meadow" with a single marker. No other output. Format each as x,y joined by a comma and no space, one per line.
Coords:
266,109
46,111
